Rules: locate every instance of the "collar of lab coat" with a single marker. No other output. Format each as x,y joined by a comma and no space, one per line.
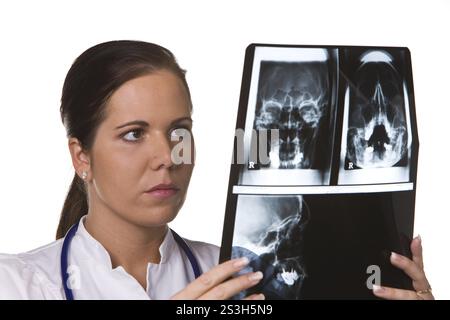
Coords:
98,279
96,251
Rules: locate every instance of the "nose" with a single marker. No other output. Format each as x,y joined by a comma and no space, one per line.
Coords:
160,151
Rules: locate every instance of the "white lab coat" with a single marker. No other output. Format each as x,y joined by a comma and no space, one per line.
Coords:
36,274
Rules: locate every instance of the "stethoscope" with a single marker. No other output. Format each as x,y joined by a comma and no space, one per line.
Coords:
65,254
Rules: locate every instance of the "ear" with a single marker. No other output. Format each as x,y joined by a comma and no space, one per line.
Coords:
80,158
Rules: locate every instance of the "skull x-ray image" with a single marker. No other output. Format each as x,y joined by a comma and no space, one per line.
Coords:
329,190
319,246
269,231
293,97
377,133
290,117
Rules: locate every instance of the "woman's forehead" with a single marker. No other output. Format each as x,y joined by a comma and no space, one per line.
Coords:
159,96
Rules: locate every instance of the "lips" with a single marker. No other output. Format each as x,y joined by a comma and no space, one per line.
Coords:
163,191
162,186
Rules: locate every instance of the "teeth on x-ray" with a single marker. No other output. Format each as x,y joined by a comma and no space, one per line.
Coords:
293,97
377,133
289,277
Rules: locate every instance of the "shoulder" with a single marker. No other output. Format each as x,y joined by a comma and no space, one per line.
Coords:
11,268
45,260
15,277
207,253
30,275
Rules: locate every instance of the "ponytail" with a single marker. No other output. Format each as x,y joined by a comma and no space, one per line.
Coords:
75,206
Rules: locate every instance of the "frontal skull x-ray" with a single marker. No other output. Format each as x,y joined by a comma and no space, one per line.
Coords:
293,93
293,97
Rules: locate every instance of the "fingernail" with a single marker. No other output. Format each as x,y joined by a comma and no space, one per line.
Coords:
260,297
419,238
395,256
378,289
241,262
255,276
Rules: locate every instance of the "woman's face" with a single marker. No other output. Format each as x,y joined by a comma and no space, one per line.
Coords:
131,152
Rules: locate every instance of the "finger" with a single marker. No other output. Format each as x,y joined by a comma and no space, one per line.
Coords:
416,249
231,287
394,294
211,279
259,296
409,267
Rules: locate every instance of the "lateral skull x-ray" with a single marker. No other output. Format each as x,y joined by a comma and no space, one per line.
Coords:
272,239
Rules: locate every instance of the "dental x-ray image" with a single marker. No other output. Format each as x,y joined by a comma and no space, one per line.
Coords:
269,231
376,137
290,116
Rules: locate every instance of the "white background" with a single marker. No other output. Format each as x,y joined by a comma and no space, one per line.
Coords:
40,40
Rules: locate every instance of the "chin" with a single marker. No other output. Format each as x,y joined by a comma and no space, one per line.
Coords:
156,216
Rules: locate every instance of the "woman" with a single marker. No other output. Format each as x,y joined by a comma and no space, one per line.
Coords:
126,106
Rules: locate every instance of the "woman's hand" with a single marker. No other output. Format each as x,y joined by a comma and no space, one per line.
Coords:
414,269
216,285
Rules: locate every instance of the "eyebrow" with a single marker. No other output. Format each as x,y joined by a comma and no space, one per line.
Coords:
143,123
181,120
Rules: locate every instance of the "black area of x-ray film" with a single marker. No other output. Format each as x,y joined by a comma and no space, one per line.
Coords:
295,98
377,130
338,195
350,237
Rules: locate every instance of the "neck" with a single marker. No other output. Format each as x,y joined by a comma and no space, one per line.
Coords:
129,245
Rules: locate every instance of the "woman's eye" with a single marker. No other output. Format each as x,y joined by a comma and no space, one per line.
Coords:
133,135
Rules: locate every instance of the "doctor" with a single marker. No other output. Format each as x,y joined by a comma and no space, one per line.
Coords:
125,105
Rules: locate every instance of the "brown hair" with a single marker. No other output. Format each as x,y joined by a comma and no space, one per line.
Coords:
91,80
